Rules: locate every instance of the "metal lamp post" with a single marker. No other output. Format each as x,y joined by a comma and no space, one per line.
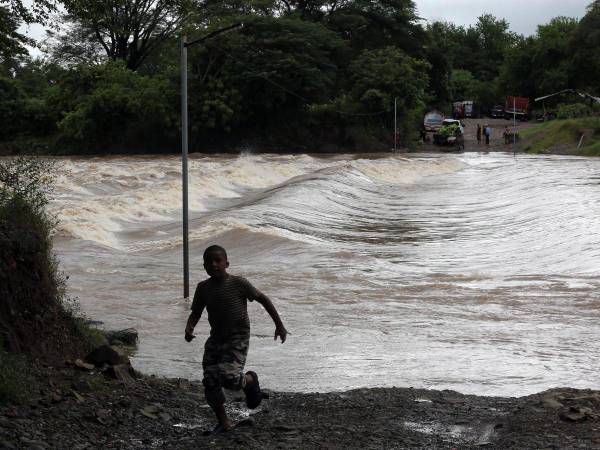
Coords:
184,150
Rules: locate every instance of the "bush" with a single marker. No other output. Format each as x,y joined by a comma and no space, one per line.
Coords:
33,300
112,108
574,110
25,185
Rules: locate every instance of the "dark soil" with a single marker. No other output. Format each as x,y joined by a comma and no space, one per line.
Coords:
78,409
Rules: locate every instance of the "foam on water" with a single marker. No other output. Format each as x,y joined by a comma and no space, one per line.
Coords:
98,199
476,272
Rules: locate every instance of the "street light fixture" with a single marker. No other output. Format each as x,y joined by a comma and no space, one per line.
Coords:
184,148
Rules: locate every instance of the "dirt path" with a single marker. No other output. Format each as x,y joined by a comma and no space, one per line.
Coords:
496,141
85,410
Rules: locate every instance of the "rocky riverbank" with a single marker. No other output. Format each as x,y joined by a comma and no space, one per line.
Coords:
78,407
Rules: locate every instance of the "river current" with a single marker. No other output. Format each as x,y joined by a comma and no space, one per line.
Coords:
472,272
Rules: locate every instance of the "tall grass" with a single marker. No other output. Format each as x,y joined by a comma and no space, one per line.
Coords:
564,134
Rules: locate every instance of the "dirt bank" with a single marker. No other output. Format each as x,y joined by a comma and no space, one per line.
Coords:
79,409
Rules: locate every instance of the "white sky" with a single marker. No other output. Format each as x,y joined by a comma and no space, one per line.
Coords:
523,15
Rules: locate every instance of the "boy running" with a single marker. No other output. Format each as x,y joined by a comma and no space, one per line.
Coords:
225,298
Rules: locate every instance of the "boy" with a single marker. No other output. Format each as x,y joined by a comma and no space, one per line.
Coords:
225,298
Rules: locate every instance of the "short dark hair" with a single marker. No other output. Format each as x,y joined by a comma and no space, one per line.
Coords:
214,249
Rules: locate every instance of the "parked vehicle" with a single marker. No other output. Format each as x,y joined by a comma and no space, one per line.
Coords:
497,112
458,110
469,109
451,134
433,120
517,107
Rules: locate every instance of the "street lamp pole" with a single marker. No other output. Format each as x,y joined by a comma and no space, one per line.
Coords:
184,168
184,150
395,122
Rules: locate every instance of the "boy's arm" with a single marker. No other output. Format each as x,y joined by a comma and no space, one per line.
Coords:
191,323
197,308
270,308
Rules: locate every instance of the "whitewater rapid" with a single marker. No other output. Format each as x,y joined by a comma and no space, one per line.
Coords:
475,272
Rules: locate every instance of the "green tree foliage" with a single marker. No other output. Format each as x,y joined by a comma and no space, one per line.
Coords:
264,76
127,30
317,71
11,41
11,107
379,76
541,64
111,108
32,11
585,46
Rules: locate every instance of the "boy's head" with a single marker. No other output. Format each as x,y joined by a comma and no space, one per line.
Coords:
215,261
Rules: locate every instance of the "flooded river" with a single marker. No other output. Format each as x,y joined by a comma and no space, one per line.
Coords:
474,272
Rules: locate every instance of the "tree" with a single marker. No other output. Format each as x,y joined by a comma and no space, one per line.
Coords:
127,30
37,11
585,48
541,64
380,76
264,75
109,107
11,41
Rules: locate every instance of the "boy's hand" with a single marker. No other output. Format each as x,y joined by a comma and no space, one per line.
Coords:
281,332
189,336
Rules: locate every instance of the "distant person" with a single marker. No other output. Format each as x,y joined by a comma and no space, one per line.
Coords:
225,298
506,135
478,134
487,131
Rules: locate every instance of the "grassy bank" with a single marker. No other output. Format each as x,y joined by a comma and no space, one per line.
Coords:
563,137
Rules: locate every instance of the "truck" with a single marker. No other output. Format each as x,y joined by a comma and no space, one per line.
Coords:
516,107
451,134
433,120
469,109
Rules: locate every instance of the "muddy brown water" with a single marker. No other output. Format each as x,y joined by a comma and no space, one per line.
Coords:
474,272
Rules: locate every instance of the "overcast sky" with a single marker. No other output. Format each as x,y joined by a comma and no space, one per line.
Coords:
523,15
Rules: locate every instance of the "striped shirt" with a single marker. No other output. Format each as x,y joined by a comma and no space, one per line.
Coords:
226,304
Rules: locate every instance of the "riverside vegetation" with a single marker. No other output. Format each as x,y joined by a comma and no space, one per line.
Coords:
300,76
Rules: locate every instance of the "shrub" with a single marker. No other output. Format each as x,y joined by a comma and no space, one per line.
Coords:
574,110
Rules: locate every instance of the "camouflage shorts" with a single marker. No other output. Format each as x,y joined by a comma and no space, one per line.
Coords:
223,365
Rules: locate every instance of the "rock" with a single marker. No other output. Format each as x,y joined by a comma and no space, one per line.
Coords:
577,414
83,365
128,336
106,354
122,372
78,397
103,416
56,398
150,411
164,417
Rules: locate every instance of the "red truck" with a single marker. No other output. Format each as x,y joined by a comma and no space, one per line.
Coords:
516,106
